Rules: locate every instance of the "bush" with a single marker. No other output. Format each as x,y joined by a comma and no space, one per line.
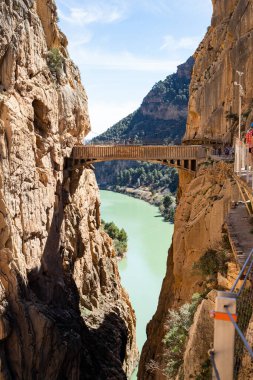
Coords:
55,61
178,325
212,262
226,242
167,201
167,208
119,237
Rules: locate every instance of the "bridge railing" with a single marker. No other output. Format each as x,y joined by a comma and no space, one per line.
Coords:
147,152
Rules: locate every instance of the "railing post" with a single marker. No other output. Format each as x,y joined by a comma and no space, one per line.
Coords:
224,335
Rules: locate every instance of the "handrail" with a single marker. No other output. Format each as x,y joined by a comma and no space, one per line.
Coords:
245,279
246,344
242,271
212,360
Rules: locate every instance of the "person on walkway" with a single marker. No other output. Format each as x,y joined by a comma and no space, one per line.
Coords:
226,151
231,151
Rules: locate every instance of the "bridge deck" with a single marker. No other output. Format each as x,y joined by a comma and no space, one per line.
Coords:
138,152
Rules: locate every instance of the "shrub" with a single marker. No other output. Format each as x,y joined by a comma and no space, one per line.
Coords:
55,61
212,262
119,237
167,201
178,325
226,242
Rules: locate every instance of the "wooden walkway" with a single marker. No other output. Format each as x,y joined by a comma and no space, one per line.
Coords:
180,156
239,225
240,222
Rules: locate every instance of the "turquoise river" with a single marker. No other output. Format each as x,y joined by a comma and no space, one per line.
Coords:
149,238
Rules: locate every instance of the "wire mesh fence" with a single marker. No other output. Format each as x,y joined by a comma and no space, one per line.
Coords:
243,367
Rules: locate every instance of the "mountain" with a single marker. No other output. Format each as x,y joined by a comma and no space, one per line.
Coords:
162,114
161,119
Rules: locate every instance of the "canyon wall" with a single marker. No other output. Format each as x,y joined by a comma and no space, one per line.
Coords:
226,49
64,314
205,200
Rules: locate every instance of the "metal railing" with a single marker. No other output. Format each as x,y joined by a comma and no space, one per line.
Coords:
229,348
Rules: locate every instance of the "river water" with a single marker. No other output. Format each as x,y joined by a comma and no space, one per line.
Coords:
143,269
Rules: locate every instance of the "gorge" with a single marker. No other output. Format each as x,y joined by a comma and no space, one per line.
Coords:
143,268
63,311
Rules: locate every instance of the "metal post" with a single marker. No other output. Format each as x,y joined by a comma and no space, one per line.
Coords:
240,109
224,335
240,88
247,162
240,157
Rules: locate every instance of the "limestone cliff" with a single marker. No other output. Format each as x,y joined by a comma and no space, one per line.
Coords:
162,114
226,48
64,314
204,201
199,226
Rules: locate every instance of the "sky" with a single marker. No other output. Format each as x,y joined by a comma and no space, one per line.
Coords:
123,47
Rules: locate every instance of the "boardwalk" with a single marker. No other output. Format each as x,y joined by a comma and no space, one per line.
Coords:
180,156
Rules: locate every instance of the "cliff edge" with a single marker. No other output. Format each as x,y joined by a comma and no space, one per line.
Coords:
204,201
64,314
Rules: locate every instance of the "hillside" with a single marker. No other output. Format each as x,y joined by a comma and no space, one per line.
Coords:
161,119
162,115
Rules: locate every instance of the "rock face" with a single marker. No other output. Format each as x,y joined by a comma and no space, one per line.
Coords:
226,48
205,200
200,336
161,117
199,226
64,314
162,114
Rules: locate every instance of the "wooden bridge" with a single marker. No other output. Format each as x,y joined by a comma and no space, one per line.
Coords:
185,157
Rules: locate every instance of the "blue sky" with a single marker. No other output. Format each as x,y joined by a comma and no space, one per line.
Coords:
123,47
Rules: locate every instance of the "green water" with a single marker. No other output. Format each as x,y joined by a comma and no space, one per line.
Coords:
149,238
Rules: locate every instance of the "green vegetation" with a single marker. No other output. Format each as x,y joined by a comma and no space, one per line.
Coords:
167,208
160,180
150,175
119,237
212,262
178,326
55,62
149,124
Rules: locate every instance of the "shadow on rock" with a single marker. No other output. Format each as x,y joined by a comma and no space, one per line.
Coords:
49,339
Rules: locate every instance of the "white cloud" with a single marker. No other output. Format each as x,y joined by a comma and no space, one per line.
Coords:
158,6
105,114
124,60
170,43
83,40
98,12
194,5
172,7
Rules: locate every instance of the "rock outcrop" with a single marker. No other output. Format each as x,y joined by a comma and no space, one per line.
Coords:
162,114
204,201
199,227
64,314
226,49
160,118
